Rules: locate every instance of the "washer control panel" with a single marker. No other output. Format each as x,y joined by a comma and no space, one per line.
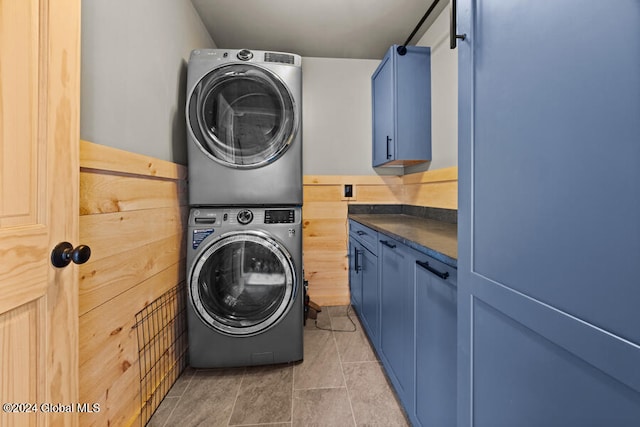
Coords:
221,217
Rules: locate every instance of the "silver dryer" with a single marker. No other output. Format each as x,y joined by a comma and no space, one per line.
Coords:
244,122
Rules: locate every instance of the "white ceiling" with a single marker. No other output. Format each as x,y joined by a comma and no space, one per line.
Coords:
317,28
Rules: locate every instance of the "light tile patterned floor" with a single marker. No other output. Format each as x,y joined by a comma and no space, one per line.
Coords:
339,383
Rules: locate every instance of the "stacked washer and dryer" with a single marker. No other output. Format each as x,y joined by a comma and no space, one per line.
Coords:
244,253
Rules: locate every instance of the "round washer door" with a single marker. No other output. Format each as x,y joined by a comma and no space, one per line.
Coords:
242,283
242,116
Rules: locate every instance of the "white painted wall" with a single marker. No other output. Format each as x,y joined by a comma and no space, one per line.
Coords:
336,116
336,110
134,62
444,95
134,56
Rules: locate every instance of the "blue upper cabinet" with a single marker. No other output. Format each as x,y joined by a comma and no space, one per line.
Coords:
401,101
549,213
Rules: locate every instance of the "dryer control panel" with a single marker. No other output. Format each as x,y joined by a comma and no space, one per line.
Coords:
279,216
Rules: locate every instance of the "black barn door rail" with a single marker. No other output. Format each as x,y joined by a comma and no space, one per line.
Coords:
453,29
402,50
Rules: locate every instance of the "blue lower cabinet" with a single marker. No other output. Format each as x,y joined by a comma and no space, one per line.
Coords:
436,324
397,318
407,305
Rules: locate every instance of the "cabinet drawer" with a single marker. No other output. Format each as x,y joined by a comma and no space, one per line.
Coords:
365,235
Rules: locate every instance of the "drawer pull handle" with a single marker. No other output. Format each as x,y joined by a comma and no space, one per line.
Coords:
360,233
357,266
387,244
426,266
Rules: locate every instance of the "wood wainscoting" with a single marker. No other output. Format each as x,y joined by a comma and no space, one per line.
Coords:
324,213
133,212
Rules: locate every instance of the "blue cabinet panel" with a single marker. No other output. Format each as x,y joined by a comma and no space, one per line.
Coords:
549,208
355,273
436,341
558,133
382,103
536,382
370,297
401,101
363,277
397,317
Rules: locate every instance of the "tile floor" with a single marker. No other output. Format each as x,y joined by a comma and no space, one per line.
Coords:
339,383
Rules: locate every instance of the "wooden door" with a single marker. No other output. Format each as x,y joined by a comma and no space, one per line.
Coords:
39,138
549,236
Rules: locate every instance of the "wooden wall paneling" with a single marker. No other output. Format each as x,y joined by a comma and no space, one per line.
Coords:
324,241
105,193
325,215
437,175
119,404
133,215
105,329
438,188
434,194
324,227
122,399
314,180
380,194
321,193
113,233
108,340
315,210
102,157
326,269
106,278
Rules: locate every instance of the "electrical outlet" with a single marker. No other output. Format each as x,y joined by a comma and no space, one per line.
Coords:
348,190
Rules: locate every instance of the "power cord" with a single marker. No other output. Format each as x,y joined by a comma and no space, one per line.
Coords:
355,328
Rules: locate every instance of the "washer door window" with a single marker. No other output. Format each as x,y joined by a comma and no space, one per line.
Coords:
242,116
243,283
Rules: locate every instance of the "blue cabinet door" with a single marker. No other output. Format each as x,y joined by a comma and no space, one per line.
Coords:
436,333
382,106
355,273
549,213
397,317
370,295
401,101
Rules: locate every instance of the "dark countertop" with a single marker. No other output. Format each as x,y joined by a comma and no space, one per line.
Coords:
435,238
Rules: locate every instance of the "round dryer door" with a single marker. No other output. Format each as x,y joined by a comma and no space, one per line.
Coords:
242,116
242,283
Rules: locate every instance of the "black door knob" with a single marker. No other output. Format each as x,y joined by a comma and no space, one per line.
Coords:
64,253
